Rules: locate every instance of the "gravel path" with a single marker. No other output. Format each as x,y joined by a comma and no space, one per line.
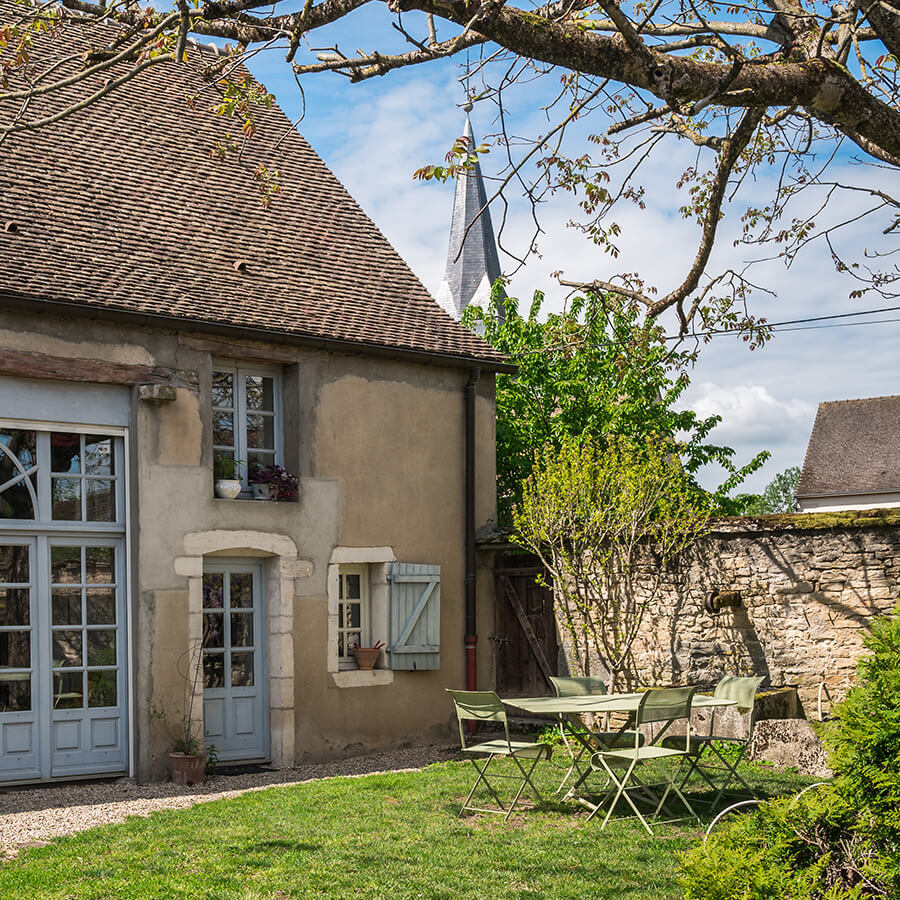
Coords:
31,816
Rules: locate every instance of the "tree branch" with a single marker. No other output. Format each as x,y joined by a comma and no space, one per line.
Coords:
733,147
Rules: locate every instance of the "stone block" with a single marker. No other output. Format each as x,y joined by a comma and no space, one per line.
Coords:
790,743
157,394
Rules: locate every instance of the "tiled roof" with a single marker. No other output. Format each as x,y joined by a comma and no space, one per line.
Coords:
122,207
854,448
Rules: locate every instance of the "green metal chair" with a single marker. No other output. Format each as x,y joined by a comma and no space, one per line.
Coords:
486,706
577,738
664,705
703,747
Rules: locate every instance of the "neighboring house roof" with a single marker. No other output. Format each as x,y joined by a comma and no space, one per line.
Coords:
124,207
471,272
854,448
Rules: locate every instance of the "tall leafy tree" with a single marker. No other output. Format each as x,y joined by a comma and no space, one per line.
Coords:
594,370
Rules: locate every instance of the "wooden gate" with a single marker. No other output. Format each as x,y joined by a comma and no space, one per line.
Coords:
526,648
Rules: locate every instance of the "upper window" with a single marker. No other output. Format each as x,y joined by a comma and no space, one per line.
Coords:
60,476
246,404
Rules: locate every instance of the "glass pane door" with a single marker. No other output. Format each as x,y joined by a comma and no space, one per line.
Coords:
18,724
86,672
234,704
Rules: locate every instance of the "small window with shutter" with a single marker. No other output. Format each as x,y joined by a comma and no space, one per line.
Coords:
415,616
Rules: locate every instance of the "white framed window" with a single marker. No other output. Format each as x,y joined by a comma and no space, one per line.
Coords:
353,612
358,598
61,476
246,415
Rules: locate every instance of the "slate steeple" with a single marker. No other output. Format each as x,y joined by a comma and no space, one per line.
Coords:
470,274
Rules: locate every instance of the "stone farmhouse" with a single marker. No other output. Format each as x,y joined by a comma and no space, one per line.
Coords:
154,315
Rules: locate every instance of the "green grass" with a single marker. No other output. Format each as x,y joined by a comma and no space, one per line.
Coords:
395,835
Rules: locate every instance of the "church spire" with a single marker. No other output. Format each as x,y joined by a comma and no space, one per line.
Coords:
470,274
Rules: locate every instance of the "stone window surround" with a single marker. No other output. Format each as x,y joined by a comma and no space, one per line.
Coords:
278,555
378,560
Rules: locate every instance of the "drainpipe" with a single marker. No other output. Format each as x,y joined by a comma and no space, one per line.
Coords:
471,636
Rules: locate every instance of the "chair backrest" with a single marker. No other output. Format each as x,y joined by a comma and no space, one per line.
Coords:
741,690
483,706
664,705
583,686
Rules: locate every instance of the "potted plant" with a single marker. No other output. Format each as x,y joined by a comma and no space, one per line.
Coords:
275,483
225,471
366,657
188,756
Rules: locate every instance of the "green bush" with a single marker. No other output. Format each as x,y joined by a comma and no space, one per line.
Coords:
840,841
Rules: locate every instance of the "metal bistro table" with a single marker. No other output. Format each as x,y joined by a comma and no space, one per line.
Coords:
565,708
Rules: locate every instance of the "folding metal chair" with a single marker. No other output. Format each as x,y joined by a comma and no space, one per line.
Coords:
703,746
664,705
577,738
486,706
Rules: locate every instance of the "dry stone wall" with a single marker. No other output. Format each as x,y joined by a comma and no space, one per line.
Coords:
810,585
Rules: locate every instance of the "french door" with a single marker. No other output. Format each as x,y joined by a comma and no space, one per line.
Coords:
235,702
63,666
62,657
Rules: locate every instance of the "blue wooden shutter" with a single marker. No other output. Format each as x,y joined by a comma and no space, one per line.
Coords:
415,616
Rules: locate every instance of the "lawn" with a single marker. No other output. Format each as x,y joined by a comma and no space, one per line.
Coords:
392,835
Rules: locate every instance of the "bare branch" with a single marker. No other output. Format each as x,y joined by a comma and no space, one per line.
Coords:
360,68
733,147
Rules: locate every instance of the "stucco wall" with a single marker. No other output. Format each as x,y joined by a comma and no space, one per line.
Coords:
810,586
379,446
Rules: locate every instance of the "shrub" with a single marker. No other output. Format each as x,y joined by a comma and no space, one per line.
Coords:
837,842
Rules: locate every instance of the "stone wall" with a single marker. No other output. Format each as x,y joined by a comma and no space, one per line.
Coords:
809,585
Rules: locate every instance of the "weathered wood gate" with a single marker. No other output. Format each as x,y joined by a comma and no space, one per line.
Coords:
526,648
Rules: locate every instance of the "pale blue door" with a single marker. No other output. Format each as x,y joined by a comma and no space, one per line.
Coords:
87,675
19,725
235,702
63,660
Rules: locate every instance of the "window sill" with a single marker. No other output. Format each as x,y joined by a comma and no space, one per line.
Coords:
250,499
352,678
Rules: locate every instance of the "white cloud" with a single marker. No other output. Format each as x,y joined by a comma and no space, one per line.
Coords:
750,410
754,420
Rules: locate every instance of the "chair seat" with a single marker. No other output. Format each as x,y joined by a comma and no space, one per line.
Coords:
625,757
613,739
525,749
698,741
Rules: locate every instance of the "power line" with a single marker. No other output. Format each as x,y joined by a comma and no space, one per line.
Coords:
779,325
837,325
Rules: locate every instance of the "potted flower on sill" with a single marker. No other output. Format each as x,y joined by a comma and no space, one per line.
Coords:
366,657
275,483
225,471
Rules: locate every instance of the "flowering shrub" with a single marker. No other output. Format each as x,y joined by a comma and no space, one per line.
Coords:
282,484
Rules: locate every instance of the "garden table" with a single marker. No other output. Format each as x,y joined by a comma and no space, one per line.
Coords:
565,708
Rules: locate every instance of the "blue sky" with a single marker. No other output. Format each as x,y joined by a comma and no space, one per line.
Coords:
375,134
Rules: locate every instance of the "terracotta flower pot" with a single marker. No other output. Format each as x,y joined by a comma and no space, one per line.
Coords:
187,768
366,657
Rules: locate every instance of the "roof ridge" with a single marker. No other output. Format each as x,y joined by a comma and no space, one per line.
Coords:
859,399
